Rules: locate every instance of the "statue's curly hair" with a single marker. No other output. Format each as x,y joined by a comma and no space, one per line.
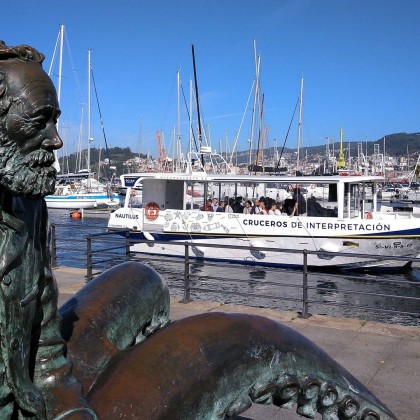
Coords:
21,52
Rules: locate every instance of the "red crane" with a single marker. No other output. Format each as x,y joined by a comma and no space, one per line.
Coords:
161,148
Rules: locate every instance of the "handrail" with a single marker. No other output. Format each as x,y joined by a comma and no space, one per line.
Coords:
106,249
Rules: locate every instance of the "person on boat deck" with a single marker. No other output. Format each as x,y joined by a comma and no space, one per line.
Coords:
208,206
229,207
255,205
315,209
237,205
261,210
300,203
271,207
221,207
248,207
215,204
279,209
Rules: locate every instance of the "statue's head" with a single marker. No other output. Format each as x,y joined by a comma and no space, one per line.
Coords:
29,111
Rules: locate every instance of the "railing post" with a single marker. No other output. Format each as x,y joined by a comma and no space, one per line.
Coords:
89,261
187,297
305,314
53,247
127,245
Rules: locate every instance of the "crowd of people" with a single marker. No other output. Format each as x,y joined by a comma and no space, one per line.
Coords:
295,205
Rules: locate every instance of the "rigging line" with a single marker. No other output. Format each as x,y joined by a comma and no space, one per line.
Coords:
189,117
240,126
258,155
102,123
73,67
55,51
317,248
287,134
197,103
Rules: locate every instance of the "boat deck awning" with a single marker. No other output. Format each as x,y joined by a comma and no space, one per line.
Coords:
133,179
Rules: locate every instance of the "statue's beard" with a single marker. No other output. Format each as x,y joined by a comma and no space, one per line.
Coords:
31,175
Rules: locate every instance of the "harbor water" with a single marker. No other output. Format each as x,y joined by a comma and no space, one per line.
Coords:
340,292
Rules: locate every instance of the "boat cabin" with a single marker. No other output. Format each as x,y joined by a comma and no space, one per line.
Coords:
349,196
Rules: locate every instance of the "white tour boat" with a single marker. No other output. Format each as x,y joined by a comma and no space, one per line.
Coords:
350,223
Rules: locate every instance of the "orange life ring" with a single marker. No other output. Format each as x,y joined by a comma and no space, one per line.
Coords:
369,215
151,211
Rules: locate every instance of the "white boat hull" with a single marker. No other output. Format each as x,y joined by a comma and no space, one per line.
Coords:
71,204
264,258
331,235
82,201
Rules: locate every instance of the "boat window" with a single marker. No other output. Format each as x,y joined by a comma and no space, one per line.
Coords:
357,199
167,194
321,200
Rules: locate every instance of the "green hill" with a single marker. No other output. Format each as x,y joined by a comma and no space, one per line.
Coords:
398,144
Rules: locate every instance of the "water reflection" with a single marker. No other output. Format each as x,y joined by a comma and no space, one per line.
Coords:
326,288
257,275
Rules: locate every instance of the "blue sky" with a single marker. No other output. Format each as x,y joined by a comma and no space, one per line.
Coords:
360,62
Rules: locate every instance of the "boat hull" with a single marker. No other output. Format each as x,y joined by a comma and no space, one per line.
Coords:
338,243
85,201
283,257
70,204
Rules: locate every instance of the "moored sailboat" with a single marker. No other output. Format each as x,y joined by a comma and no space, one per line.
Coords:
81,190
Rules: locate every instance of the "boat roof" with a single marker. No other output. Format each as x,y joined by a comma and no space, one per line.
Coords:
132,179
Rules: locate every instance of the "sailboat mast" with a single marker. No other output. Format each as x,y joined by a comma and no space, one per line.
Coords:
198,105
88,124
61,39
256,95
79,146
60,65
178,143
299,124
190,142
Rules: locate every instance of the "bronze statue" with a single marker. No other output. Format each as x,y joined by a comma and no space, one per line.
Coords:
36,376
113,336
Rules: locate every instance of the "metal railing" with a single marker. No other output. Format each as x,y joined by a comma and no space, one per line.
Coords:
106,249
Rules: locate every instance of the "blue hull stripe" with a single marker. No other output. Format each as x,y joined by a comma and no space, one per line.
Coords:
413,233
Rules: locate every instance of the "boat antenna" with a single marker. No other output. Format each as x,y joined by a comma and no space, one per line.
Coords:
198,104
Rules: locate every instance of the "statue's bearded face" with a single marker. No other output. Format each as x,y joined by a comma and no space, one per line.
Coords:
31,176
28,134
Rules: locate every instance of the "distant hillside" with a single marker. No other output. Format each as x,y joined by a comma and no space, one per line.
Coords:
395,145
116,155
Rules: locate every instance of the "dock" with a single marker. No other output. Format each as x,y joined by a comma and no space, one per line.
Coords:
384,357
